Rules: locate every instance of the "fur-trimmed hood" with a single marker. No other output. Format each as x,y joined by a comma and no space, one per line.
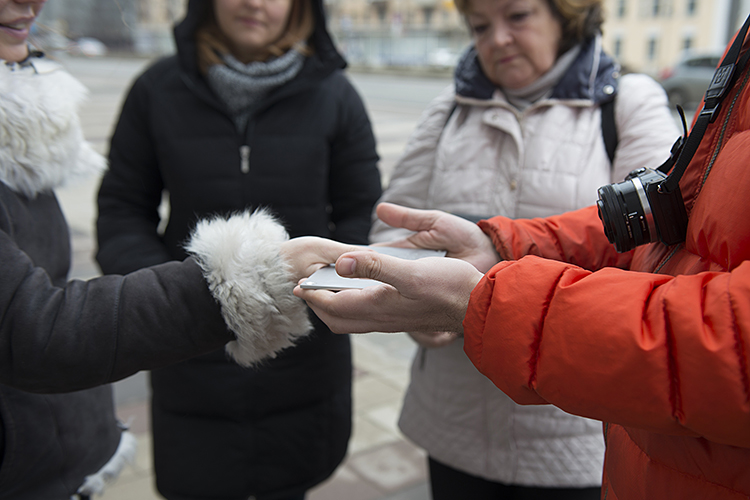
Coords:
41,141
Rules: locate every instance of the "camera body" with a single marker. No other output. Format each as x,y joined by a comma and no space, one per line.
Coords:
635,211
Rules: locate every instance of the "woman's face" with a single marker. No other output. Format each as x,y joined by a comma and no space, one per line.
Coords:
516,40
251,25
16,18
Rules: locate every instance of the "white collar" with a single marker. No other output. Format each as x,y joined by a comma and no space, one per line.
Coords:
41,141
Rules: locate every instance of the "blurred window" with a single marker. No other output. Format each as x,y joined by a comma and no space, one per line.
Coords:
651,48
692,7
621,8
656,8
687,43
618,47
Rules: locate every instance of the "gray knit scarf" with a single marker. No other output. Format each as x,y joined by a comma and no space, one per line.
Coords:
243,86
542,87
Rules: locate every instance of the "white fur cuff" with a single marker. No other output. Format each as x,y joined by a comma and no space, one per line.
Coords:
252,283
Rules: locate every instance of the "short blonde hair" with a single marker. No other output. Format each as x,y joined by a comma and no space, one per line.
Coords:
580,19
212,43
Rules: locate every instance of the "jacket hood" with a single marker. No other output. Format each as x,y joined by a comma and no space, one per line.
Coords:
41,141
592,76
198,10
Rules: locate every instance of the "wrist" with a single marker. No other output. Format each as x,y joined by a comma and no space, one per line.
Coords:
457,311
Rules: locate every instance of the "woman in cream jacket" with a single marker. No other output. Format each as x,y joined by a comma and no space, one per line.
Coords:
523,148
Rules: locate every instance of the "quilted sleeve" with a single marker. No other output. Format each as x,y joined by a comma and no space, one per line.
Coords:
661,353
575,237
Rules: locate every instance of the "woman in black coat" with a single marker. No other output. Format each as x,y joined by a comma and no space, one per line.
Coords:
62,342
221,128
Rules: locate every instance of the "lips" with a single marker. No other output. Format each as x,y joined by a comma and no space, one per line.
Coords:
18,24
17,28
249,21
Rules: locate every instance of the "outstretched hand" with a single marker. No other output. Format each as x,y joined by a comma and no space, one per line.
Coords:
429,294
438,230
307,254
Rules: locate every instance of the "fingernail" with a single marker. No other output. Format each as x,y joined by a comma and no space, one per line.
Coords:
346,266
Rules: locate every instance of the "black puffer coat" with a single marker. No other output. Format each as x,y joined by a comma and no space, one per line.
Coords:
49,443
308,154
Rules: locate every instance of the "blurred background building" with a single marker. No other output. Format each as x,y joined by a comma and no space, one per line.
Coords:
648,36
651,35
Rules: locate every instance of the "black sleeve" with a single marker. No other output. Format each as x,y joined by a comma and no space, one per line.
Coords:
88,333
130,192
354,183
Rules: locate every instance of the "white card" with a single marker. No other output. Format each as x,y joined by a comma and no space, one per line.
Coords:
326,278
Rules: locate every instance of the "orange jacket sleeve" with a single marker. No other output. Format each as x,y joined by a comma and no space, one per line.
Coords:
657,352
575,237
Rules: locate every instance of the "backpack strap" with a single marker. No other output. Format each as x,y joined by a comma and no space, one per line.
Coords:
609,129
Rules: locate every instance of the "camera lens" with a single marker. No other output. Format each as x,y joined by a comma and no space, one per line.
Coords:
605,220
635,212
613,211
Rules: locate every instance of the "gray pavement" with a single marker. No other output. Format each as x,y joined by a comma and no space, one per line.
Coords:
381,464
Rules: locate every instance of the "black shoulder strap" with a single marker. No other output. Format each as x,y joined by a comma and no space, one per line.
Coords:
724,77
609,129
447,119
450,113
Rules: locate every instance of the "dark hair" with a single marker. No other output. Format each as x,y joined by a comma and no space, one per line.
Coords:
212,43
580,19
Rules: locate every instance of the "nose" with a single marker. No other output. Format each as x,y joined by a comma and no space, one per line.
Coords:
502,35
30,5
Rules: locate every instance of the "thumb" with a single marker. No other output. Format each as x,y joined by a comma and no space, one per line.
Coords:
374,266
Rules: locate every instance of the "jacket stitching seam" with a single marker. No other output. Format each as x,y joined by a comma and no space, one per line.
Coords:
667,258
535,345
739,347
675,396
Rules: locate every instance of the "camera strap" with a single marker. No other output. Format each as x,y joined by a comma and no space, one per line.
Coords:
723,79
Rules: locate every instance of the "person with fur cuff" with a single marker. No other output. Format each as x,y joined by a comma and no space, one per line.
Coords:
253,109
62,343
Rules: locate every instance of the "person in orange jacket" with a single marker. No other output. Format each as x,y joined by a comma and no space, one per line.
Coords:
653,341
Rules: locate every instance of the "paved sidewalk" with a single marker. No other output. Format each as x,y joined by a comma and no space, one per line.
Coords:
381,464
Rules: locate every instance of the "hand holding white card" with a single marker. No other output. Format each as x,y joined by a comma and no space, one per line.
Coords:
326,278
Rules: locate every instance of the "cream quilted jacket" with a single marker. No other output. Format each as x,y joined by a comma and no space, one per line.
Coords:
486,158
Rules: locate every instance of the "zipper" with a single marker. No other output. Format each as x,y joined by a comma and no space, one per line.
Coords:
245,159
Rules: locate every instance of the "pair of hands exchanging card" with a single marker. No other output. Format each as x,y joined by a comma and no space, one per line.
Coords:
326,278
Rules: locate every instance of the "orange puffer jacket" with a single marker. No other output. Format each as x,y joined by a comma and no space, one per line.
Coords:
653,342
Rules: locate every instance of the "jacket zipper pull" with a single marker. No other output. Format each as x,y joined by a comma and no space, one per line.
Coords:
245,159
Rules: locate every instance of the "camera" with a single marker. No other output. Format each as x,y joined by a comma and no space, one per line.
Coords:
636,211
